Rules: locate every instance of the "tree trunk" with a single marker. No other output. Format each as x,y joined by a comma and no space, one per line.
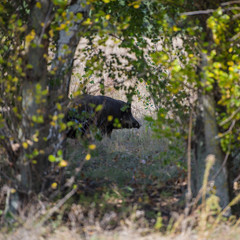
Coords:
37,136
34,103
206,131
64,58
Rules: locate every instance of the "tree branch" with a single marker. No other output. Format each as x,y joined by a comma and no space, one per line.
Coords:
230,118
229,3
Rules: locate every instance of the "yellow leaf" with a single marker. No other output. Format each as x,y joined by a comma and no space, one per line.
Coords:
38,5
54,118
175,28
45,56
62,26
136,5
183,17
64,14
79,15
25,145
41,151
88,157
87,22
99,108
13,190
30,37
59,107
51,33
110,118
63,163
15,79
92,146
230,63
54,185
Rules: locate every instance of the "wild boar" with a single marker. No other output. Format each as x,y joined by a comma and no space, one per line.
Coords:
103,112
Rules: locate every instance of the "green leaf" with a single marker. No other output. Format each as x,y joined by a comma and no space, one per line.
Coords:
59,153
52,158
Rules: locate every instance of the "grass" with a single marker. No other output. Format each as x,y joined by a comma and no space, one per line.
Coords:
128,154
125,176
125,191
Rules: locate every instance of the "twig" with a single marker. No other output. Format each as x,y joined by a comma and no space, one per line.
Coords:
222,166
48,20
57,206
189,190
229,3
230,118
70,181
237,178
236,16
207,11
235,37
228,131
198,12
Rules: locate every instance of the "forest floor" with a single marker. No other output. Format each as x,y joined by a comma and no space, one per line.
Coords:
132,187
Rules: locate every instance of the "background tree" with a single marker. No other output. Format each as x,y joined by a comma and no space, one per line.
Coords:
202,71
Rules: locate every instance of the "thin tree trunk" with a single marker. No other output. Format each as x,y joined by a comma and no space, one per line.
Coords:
60,83
207,143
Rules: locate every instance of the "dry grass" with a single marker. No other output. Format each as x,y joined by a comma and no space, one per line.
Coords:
223,232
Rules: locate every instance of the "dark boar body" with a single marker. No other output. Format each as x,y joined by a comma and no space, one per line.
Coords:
103,112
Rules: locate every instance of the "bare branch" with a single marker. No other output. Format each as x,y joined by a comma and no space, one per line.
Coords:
229,3
228,131
47,22
208,11
235,37
57,206
236,16
230,118
223,164
198,12
189,190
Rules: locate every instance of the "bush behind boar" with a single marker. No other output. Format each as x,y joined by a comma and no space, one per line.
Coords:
103,112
